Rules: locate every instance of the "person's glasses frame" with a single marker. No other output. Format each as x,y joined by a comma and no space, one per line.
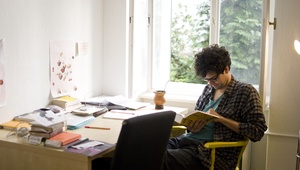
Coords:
212,79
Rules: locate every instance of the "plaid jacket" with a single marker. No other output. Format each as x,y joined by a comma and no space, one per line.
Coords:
241,103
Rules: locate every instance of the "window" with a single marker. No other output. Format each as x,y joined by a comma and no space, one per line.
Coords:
182,27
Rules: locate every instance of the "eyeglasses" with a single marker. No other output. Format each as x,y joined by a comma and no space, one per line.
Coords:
214,78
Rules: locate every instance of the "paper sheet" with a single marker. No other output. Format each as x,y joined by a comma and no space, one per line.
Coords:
87,144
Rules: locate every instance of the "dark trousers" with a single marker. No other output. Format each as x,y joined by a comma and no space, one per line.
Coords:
182,154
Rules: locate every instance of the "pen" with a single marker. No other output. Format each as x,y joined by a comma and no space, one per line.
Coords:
94,127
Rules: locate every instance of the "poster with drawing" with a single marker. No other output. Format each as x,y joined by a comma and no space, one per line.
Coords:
62,56
2,76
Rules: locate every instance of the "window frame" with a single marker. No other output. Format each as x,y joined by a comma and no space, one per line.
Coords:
190,89
179,88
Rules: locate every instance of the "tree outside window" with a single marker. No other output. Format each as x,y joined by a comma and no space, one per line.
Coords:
240,32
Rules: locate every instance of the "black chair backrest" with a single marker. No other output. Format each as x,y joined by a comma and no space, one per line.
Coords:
142,142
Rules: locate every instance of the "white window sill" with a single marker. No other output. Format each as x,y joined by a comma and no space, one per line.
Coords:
175,100
171,97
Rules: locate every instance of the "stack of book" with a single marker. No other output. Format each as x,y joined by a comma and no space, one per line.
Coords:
67,102
46,131
44,123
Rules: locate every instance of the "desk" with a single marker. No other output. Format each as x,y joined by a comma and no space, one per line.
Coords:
16,155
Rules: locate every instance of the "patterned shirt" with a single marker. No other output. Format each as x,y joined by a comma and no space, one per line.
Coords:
241,103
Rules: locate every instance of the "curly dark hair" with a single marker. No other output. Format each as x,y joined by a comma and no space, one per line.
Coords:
212,59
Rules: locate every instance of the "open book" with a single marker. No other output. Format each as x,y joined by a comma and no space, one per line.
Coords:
195,115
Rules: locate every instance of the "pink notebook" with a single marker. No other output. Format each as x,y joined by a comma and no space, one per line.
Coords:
66,137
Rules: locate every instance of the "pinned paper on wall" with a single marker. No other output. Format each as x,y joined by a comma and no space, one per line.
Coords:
2,75
62,56
82,48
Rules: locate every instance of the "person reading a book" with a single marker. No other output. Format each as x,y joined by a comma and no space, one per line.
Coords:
240,116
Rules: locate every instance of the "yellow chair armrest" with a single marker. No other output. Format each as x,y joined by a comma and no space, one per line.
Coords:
178,127
214,145
178,130
225,144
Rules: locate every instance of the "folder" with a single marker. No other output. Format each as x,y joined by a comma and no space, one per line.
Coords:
76,121
14,124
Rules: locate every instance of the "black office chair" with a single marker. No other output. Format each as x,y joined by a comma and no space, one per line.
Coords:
142,142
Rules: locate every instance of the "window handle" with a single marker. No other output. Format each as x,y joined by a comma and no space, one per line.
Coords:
273,23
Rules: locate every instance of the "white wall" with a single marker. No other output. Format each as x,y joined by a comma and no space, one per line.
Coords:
115,53
284,117
27,27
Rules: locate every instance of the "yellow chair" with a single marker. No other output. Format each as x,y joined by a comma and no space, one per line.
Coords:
178,130
214,145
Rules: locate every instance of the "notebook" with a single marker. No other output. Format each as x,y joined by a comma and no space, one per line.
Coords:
66,137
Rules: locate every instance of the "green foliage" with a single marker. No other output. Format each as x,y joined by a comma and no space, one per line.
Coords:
240,33
188,34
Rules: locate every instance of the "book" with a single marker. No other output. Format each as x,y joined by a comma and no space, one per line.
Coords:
67,102
46,135
195,115
14,124
80,140
57,144
47,129
96,114
52,143
66,137
24,117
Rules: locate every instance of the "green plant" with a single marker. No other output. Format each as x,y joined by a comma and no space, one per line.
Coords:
240,32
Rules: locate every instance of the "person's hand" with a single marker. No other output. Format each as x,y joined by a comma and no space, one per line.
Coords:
231,124
213,112
196,125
